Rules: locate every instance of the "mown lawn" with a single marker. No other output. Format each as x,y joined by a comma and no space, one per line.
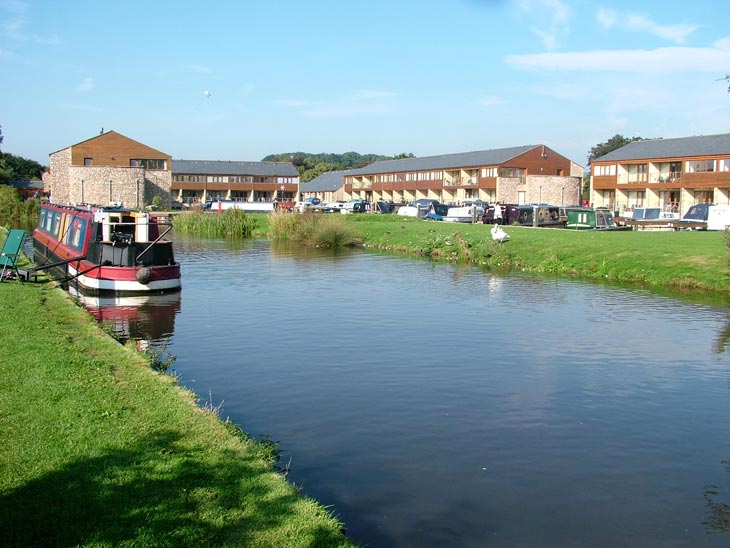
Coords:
96,449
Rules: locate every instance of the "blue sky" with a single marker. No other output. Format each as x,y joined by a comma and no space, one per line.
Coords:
426,77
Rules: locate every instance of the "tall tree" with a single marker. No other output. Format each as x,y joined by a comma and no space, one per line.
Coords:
615,142
22,169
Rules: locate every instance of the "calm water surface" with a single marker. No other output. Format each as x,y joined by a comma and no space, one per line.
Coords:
431,405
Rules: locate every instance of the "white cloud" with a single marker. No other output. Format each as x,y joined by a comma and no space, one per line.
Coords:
669,60
674,33
553,17
86,85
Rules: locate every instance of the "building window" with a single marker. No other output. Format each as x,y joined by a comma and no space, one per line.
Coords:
148,164
87,161
700,166
601,171
723,165
489,172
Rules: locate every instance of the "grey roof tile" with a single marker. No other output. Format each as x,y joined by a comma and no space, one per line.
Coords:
218,167
329,181
445,161
701,145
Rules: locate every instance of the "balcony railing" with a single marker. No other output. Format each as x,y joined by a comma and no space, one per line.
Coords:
632,178
666,178
461,181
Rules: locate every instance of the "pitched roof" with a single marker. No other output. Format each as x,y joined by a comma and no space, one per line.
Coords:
218,167
700,145
329,181
445,161
111,134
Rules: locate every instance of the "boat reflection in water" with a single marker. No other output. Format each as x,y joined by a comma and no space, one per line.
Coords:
145,319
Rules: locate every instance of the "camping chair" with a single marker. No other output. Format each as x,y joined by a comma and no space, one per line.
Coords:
11,251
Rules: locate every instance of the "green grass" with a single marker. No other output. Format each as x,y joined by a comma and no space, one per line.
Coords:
98,450
687,260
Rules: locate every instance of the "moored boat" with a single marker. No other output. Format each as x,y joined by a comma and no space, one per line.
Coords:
588,218
106,250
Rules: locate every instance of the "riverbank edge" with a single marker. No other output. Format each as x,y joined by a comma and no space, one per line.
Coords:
124,416
688,263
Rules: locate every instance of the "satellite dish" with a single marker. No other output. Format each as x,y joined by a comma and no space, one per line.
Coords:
207,93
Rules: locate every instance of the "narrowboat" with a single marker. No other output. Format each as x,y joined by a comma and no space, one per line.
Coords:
538,215
106,250
588,218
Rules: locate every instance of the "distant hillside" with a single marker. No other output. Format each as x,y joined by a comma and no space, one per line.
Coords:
311,166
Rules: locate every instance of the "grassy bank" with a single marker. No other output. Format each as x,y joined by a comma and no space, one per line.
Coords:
674,260
98,450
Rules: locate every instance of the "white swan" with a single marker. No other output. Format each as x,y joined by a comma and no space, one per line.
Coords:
499,235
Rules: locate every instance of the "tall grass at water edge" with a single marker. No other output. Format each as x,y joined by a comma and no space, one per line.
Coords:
315,229
232,222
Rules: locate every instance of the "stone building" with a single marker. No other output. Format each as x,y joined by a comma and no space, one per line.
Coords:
109,169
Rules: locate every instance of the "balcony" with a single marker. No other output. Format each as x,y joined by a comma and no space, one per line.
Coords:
632,178
461,181
666,178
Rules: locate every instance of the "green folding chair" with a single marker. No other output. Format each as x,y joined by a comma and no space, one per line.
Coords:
11,251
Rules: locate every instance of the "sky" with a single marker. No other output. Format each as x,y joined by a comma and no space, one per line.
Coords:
238,80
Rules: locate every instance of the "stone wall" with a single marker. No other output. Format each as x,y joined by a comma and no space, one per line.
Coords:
134,187
546,189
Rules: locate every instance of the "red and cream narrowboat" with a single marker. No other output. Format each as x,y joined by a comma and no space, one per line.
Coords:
107,250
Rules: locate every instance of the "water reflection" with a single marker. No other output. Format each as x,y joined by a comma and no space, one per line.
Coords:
146,319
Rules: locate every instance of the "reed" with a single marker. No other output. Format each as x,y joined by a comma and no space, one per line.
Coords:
232,223
315,229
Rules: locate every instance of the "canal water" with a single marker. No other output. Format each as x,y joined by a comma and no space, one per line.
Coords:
432,405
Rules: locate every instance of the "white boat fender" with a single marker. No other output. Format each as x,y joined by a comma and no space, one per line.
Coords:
144,275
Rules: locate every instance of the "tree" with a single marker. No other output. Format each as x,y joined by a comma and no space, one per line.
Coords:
615,142
5,172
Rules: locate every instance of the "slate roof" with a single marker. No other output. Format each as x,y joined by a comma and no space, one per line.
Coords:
218,167
445,161
27,184
701,145
329,181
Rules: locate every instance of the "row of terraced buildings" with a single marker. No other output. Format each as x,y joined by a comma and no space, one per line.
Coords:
669,173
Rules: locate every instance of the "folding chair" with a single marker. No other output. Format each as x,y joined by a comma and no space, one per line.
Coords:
11,251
